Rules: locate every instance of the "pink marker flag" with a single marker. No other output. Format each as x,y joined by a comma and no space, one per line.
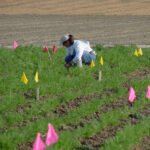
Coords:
0,45
54,48
132,95
15,45
148,92
38,144
51,136
45,49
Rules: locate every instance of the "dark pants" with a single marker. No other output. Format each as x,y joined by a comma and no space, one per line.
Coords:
86,57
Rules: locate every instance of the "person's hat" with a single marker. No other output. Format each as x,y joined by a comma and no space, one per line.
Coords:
64,38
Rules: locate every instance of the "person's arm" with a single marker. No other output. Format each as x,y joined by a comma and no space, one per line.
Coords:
67,52
79,52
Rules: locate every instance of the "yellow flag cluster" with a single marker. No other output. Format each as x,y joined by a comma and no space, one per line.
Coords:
101,61
140,52
25,80
92,64
36,77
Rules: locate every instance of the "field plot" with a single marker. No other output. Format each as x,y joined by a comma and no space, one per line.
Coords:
86,113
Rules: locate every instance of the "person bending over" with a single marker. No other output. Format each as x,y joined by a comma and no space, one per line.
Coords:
77,51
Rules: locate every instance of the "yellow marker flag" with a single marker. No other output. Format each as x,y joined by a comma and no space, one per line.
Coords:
36,77
92,64
136,52
140,52
101,61
24,78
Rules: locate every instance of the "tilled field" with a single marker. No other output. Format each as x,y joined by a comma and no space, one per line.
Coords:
101,22
46,30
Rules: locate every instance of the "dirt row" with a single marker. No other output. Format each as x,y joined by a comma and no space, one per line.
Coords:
76,103
98,140
139,73
62,109
145,144
117,104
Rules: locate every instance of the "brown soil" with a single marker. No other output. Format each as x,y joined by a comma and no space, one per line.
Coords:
145,111
25,146
145,144
78,7
23,108
46,30
78,102
29,95
119,103
62,109
99,138
139,147
20,125
139,73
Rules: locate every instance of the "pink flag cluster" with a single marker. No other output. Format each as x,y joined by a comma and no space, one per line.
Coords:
51,138
148,92
15,45
38,144
54,48
132,94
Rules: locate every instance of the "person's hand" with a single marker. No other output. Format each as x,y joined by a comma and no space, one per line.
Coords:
67,65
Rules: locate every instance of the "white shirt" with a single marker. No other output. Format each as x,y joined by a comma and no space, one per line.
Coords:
79,47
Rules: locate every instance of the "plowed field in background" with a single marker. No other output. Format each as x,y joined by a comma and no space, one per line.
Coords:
76,7
39,22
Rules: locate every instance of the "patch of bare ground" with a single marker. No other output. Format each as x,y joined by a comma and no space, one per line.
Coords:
25,146
23,108
139,147
98,140
69,105
20,125
62,109
145,144
30,95
117,104
139,73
